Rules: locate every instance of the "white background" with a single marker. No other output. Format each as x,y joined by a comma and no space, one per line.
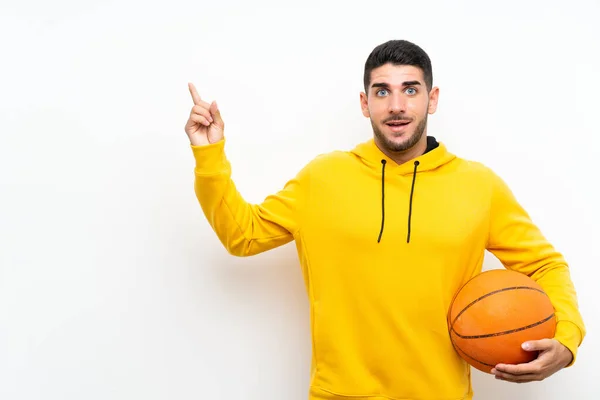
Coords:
112,284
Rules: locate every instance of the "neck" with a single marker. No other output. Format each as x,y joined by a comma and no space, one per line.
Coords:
401,157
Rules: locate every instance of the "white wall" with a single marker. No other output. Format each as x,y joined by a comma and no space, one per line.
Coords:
113,286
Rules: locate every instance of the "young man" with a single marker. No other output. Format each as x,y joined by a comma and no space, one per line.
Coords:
386,235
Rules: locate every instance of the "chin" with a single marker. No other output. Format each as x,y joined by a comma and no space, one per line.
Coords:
400,138
399,142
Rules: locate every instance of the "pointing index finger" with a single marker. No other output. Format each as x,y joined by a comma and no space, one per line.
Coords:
194,93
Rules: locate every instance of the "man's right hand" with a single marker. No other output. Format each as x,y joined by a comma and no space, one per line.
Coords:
205,125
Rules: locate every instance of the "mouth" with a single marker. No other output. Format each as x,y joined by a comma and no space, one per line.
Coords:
398,125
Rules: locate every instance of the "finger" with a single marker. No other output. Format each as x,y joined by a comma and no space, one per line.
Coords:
202,111
532,367
203,104
200,119
216,113
538,345
517,378
194,93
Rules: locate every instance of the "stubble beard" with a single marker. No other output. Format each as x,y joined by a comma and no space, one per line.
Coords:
404,145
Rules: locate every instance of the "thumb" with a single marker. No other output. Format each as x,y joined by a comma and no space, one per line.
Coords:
216,114
537,345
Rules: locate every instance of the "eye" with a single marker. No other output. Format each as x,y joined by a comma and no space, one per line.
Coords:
411,91
379,92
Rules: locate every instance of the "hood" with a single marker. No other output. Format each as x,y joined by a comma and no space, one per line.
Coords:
435,156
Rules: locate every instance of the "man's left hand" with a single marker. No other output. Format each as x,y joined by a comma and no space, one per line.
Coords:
553,356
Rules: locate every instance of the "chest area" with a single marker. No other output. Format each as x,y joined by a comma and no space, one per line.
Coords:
442,212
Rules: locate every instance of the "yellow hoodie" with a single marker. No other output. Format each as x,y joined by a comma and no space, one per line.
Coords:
383,249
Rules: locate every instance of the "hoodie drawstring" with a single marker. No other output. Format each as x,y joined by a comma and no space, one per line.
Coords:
382,199
412,190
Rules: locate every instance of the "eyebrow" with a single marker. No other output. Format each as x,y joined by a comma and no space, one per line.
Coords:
386,86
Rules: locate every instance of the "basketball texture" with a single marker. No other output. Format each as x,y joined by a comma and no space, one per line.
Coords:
494,313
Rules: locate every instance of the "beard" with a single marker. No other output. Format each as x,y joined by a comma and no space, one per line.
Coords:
407,144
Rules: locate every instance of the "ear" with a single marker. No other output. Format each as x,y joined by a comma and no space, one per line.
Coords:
434,95
364,104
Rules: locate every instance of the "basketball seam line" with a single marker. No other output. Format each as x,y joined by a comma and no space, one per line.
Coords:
503,332
459,349
490,294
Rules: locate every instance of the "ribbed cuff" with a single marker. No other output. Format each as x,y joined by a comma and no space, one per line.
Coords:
210,158
570,336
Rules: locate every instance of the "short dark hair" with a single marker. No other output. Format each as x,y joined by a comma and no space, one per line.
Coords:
399,52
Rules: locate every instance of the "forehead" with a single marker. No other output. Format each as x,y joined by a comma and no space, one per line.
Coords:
395,75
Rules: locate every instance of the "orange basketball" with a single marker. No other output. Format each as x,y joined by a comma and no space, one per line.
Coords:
494,313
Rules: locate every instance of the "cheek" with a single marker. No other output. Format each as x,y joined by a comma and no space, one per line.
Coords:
417,108
377,110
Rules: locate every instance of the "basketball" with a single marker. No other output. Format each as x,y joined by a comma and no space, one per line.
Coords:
494,313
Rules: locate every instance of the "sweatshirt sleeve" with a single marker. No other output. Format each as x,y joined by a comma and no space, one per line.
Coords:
520,246
245,229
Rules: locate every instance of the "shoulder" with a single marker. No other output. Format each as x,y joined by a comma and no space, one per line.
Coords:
474,167
479,174
326,167
333,157
329,160
323,165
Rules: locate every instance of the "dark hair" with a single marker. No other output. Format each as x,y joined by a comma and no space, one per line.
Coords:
399,52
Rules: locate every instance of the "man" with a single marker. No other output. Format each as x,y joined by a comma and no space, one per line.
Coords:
386,235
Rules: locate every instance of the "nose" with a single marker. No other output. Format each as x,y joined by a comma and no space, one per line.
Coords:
397,104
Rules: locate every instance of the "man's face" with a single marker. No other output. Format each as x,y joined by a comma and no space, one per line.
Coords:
397,102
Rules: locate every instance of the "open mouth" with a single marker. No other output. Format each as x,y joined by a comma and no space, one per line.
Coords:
397,125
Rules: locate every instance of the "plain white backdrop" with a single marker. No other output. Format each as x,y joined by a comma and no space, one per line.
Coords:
112,284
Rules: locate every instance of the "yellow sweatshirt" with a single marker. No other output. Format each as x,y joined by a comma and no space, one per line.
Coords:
383,249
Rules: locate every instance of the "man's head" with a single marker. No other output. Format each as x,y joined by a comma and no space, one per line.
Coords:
399,94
